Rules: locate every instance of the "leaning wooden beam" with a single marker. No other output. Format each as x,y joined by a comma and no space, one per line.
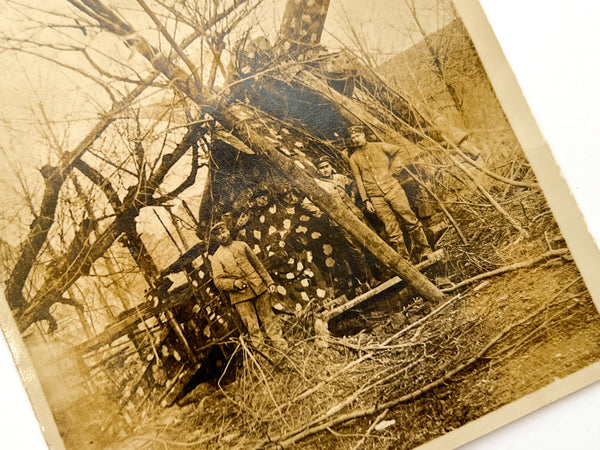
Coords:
395,281
239,118
322,319
128,324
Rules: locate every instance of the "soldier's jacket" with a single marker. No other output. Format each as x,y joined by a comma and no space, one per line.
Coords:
373,167
237,261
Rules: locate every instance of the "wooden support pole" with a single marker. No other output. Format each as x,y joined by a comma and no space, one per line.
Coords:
181,335
238,118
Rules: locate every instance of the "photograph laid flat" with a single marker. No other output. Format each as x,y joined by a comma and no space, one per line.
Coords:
281,224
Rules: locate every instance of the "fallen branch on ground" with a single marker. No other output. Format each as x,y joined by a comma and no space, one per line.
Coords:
380,347
516,266
295,436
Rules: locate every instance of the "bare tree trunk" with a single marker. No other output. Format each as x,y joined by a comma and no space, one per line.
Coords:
69,269
54,177
53,180
87,330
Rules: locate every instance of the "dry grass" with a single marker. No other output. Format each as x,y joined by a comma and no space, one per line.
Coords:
482,350
418,372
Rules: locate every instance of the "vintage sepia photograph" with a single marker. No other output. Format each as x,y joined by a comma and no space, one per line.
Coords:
273,224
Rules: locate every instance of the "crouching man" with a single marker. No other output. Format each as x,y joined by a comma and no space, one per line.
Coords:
237,271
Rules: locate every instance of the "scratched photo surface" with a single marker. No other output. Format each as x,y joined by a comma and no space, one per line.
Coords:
273,224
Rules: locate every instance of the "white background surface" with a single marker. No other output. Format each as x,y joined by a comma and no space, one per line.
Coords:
554,48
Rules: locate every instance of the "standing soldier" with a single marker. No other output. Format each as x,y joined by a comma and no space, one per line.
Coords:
237,271
374,165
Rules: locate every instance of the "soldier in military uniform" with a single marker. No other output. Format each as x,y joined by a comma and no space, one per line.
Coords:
374,166
237,271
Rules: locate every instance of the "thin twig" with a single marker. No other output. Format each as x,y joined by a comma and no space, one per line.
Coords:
294,437
501,270
378,419
495,176
264,378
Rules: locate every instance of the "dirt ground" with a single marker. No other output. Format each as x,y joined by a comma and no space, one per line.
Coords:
560,343
538,324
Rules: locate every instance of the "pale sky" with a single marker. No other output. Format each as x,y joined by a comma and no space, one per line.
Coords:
71,103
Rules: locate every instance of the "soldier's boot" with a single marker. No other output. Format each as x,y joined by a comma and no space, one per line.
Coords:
420,245
281,344
257,340
275,333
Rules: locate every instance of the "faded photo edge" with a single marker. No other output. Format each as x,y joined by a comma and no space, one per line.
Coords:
564,207
558,195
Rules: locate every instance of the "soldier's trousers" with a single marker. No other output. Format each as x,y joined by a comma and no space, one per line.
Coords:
395,204
260,308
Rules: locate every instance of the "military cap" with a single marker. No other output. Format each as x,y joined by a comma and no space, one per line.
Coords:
356,129
290,190
323,160
218,225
